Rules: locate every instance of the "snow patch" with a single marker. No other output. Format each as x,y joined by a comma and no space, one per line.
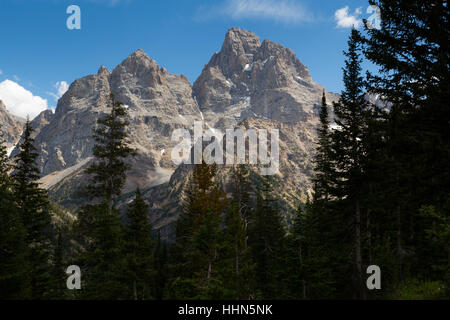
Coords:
198,107
229,82
10,150
335,126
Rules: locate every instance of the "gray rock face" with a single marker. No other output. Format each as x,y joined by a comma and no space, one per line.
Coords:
249,79
10,125
264,85
158,103
247,84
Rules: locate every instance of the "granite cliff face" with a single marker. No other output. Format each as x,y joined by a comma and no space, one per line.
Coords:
248,84
253,85
158,102
11,126
250,79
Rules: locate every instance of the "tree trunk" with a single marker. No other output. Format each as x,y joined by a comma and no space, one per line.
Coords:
209,270
358,259
135,290
399,242
301,264
237,259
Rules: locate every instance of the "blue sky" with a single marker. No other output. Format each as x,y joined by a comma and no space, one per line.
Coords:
40,55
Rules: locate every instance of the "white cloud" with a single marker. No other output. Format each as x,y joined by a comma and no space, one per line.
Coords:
346,20
1,72
277,10
61,88
20,101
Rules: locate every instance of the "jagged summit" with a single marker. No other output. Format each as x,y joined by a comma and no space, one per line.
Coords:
139,58
248,78
249,83
103,70
158,103
240,41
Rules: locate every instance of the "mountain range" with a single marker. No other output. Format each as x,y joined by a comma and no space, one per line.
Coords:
247,84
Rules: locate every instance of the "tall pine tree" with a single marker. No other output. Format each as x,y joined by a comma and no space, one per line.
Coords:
14,267
196,249
33,206
266,239
139,248
348,143
100,224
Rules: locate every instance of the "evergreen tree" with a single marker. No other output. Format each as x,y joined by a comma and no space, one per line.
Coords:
103,262
161,274
139,247
323,157
414,80
348,142
236,266
266,241
58,276
196,249
33,206
110,150
14,267
5,165
100,225
322,246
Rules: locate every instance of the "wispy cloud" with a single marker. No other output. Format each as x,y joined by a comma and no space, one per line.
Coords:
111,3
61,88
346,20
1,72
276,10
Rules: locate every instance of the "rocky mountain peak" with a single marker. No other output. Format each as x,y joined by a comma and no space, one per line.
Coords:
158,102
252,79
139,67
103,71
239,41
138,60
248,84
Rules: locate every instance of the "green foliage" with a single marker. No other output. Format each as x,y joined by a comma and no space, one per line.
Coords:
139,248
14,268
198,240
103,262
34,210
161,274
381,197
266,235
110,150
420,290
58,289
